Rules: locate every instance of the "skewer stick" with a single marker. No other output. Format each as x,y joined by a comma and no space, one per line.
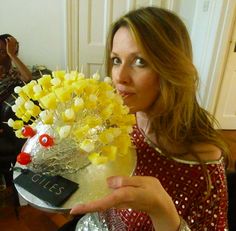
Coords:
41,73
82,69
14,96
7,103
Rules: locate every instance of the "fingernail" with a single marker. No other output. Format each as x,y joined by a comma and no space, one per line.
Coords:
71,211
77,209
114,182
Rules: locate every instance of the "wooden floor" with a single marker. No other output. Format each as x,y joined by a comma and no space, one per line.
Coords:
32,219
27,218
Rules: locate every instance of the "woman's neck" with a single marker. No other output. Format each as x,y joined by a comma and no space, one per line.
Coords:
144,125
143,121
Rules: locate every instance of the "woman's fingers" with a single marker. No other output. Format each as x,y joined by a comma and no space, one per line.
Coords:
135,192
85,208
134,181
112,200
127,192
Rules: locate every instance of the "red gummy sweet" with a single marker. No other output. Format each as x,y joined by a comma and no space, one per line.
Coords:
46,140
28,131
23,158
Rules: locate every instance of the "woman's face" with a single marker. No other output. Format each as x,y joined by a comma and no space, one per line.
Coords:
132,76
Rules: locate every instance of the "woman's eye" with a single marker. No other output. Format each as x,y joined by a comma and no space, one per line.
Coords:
139,62
115,61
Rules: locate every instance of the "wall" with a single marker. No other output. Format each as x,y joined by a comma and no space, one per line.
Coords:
40,28
206,26
209,23
186,10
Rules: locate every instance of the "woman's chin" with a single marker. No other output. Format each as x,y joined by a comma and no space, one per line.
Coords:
131,105
132,109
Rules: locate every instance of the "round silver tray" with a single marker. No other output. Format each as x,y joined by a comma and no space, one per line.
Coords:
91,180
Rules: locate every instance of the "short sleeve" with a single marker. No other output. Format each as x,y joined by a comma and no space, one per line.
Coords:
209,211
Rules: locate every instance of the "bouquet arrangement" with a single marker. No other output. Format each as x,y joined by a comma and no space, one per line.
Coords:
70,122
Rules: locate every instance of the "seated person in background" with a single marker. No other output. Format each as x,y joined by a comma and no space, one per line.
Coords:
11,75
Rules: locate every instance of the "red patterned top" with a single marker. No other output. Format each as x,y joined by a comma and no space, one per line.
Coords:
185,183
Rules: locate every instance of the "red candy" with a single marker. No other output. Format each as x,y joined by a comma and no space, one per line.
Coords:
46,140
23,158
27,131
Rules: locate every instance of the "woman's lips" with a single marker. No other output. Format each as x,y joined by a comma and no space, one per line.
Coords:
123,91
125,94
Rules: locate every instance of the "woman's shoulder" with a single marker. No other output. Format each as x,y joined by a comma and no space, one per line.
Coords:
207,151
204,151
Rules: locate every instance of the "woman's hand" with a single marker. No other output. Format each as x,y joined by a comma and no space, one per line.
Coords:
134,192
11,46
140,193
12,50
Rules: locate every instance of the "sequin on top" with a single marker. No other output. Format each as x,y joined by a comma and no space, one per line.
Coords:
185,183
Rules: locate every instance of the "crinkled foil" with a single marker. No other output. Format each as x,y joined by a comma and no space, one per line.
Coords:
62,157
91,222
104,221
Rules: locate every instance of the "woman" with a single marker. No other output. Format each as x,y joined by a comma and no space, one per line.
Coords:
10,75
179,182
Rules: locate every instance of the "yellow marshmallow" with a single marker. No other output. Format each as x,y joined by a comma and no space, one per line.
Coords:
49,101
18,124
63,94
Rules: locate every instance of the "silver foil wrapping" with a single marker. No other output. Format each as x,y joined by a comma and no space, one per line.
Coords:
102,221
91,222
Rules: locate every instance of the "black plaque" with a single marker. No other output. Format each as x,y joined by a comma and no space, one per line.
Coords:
53,189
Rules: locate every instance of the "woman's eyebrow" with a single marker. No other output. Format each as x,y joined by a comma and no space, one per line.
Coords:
113,53
130,54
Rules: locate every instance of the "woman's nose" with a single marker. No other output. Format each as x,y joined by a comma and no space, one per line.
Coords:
124,74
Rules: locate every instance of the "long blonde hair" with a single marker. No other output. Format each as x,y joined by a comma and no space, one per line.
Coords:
165,44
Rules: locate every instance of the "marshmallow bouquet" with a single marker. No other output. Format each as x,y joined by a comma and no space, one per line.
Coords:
70,122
